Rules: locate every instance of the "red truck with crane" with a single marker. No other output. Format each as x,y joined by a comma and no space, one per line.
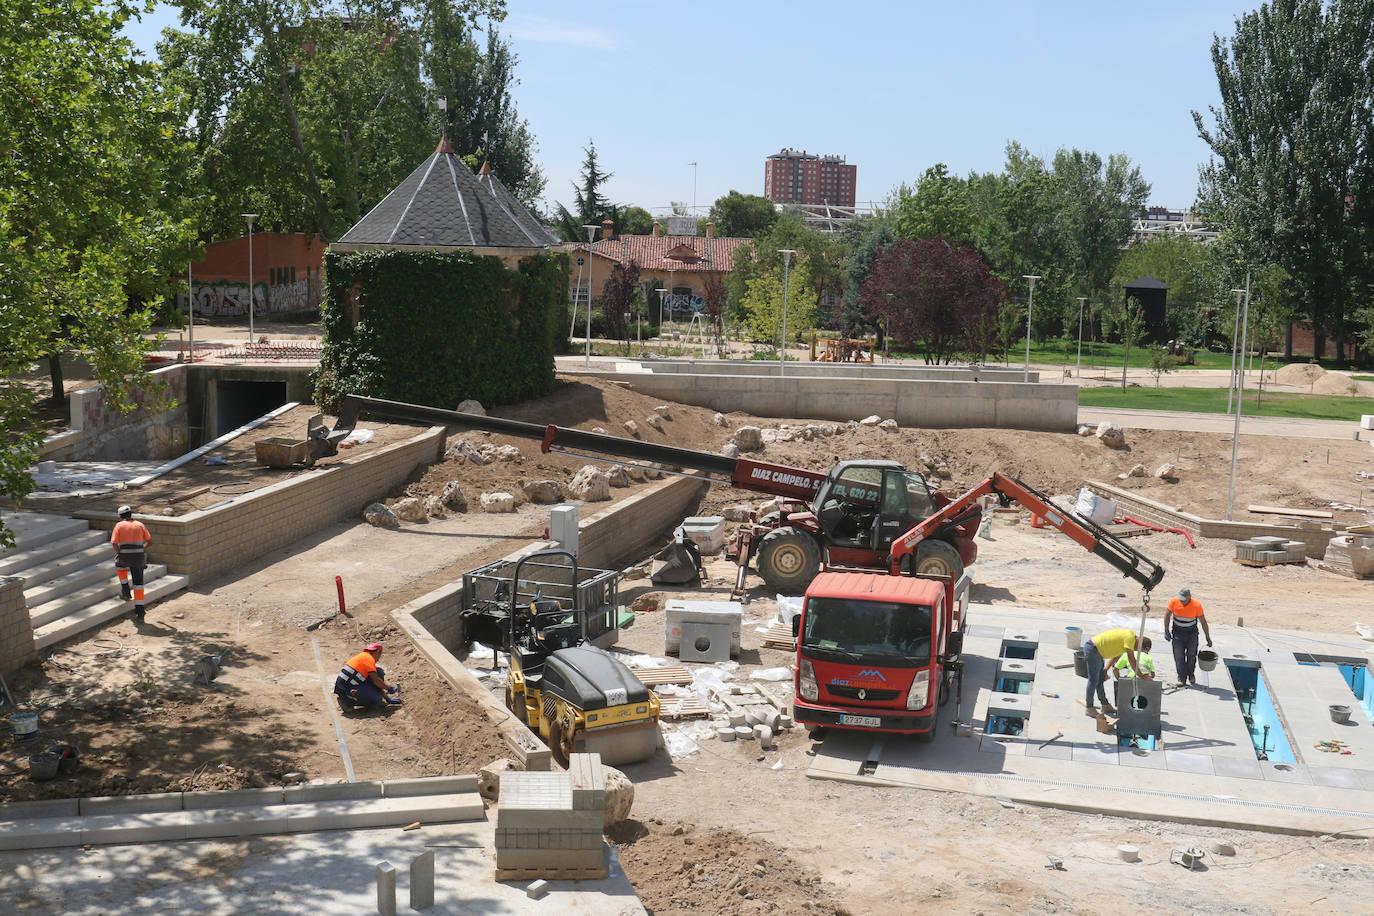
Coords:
882,652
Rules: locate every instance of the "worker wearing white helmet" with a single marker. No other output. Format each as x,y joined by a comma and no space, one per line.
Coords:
130,540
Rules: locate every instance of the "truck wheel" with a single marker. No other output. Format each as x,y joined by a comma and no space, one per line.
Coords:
788,560
927,737
938,558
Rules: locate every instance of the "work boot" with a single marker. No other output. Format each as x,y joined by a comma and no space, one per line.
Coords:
1192,679
125,592
1091,712
1109,709
1181,683
139,615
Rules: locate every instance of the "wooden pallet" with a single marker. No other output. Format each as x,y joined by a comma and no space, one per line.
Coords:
779,636
682,708
1260,563
551,874
657,677
1130,532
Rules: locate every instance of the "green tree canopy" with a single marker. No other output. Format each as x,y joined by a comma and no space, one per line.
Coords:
745,216
90,158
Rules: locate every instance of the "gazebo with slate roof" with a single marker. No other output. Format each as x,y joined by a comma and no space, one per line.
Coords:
443,206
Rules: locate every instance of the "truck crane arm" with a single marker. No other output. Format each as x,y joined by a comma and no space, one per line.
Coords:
1086,533
742,473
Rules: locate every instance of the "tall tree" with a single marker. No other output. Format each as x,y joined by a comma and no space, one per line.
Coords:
1292,178
619,297
1098,202
90,158
590,206
766,305
937,208
744,216
934,294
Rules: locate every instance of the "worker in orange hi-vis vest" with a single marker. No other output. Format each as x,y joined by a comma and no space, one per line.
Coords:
1181,623
130,541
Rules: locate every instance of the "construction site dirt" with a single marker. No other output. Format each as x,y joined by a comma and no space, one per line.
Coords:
124,695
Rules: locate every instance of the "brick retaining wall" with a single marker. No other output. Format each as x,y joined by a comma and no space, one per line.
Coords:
207,542
16,632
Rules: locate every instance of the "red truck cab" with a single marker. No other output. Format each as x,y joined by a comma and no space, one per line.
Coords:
874,651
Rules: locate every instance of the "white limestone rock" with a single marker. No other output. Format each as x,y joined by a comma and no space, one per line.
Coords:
382,517
542,492
617,477
719,420
503,452
736,513
410,509
655,421
632,428
664,411
463,450
1085,430
888,425
434,507
1166,471
590,484
730,450
1111,435
873,420
471,406
453,497
497,502
620,796
748,439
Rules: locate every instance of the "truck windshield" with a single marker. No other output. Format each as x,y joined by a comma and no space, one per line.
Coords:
846,629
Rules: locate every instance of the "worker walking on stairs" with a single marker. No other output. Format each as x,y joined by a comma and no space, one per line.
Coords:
130,540
1181,624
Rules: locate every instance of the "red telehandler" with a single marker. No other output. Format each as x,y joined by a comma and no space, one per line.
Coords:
849,516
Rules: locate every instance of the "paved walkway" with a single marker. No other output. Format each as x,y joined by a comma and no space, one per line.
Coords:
1206,770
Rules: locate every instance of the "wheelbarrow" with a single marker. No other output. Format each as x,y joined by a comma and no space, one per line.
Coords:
281,452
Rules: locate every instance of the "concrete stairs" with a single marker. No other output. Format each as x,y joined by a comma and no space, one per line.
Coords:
69,579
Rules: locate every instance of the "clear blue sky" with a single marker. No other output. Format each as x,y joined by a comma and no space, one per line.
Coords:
894,87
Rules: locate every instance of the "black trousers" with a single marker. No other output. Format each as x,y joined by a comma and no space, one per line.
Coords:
1185,651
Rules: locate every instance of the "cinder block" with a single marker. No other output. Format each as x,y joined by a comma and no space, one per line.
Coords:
131,804
537,889
429,785
386,889
422,880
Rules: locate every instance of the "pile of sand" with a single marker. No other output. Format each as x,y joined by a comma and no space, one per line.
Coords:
1341,383
1301,374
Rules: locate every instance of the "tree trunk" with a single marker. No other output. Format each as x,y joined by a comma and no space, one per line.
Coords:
1288,342
59,387
312,180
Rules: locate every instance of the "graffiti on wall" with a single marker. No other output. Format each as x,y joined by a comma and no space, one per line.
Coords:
216,300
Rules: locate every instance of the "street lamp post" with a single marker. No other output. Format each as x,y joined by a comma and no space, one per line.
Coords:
591,240
191,309
662,292
250,217
786,276
1235,332
1030,304
1078,370
1240,391
572,325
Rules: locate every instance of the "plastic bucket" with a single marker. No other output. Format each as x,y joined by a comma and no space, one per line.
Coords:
44,766
1073,637
1206,659
24,725
1339,714
1080,663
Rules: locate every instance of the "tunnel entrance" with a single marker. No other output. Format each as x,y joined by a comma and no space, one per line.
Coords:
240,402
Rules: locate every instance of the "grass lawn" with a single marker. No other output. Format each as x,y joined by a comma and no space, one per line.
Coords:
1110,355
1213,400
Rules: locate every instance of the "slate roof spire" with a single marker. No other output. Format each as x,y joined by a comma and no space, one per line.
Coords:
442,204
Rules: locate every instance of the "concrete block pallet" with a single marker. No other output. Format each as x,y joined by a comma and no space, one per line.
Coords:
548,825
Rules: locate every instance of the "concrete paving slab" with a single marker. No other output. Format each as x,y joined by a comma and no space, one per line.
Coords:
1142,759
1285,772
1366,779
295,875
1059,750
1237,768
1002,744
1101,752
1336,778
1304,694
1186,762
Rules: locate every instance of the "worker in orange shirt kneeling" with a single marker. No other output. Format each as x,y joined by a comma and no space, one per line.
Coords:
362,683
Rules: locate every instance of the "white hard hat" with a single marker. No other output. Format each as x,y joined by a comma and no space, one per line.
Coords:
126,511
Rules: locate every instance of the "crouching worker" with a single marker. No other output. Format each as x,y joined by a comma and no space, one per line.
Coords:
1145,660
362,683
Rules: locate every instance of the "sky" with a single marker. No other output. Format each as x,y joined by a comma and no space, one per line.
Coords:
893,87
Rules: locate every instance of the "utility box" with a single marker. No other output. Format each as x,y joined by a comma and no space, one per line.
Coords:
563,527
1367,421
707,532
678,612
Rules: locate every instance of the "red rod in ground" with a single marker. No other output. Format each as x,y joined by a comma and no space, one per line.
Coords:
338,581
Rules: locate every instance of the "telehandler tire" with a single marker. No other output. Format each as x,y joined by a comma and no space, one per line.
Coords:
788,559
938,558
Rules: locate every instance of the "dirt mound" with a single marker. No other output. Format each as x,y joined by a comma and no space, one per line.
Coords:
1299,374
1340,383
681,869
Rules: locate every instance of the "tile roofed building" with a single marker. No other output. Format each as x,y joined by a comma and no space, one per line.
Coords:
662,253
442,204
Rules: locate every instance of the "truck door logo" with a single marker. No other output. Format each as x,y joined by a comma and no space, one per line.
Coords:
873,672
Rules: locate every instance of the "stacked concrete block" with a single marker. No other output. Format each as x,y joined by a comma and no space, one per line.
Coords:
678,612
1271,550
16,631
1352,555
548,825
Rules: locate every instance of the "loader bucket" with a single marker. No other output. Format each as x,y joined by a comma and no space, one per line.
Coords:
621,744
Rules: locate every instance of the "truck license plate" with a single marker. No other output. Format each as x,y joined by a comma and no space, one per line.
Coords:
861,721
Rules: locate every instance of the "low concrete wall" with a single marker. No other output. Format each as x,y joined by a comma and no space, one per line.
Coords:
604,540
211,541
1313,534
832,370
98,432
927,404
16,630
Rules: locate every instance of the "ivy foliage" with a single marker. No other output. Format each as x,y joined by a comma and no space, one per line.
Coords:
435,328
